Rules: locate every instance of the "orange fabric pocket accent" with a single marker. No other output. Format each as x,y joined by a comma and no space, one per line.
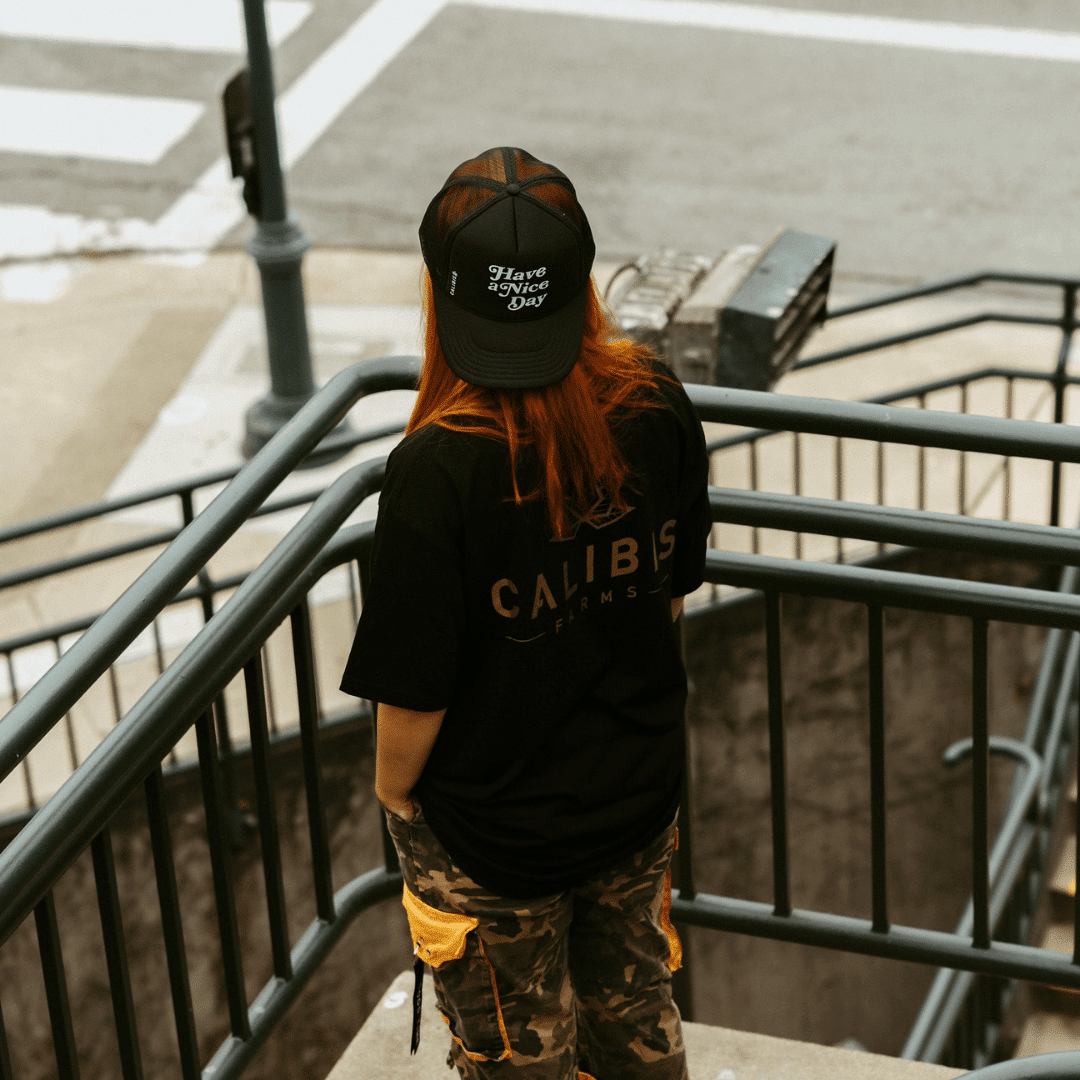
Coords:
438,936
674,944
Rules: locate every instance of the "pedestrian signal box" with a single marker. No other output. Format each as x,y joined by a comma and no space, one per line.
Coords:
240,139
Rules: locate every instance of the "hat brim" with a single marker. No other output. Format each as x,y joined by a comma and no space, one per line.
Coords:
506,355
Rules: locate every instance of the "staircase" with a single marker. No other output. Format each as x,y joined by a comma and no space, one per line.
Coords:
1053,1022
380,1051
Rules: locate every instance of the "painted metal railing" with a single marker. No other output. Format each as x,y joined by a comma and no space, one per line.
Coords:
1060,1066
204,591
752,445
130,756
24,656
962,1014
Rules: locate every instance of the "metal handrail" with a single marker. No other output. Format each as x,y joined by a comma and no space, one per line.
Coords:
886,423
1066,322
938,1013
1060,1066
186,491
919,390
67,680
1053,691
55,836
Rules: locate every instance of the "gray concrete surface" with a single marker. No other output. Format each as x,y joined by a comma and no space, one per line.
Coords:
921,163
381,1051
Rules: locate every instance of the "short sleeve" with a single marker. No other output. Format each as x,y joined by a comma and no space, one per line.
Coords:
695,514
408,643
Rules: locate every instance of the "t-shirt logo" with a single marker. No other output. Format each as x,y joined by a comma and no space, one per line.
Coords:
591,576
520,288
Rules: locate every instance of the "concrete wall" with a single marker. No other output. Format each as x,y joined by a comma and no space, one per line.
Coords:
813,994
744,983
331,1009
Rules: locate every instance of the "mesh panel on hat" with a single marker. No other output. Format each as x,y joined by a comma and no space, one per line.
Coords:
461,200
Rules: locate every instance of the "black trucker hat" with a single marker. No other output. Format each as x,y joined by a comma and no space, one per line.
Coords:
510,251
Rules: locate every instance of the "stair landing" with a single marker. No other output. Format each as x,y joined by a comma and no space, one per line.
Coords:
380,1051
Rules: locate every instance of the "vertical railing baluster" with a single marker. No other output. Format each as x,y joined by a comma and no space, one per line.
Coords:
980,784
56,993
875,624
266,808
112,930
307,696
354,605
172,927
755,534
268,686
28,780
839,466
69,726
1068,326
922,463
881,484
1076,882
796,471
114,688
777,770
159,658
961,484
5,1056
227,775
1006,463
159,648
714,589
217,838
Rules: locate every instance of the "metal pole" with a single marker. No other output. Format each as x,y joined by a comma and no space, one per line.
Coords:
278,248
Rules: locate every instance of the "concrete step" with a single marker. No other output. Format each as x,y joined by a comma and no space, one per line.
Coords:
1048,1033
1060,999
380,1051
1063,883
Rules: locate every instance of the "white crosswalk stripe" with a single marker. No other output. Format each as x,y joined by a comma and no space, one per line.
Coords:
108,127
214,26
937,36
211,207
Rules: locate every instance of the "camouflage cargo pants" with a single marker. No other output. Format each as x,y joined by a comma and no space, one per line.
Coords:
580,980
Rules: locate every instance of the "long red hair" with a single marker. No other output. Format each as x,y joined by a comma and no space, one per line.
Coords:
569,426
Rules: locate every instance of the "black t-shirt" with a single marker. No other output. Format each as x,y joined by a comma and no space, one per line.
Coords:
561,751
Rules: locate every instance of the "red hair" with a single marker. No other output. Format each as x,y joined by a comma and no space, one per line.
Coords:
569,426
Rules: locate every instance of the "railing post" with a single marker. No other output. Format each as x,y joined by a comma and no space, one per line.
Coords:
112,930
1068,326
278,248
5,1057
777,770
1076,826
878,824
56,991
980,781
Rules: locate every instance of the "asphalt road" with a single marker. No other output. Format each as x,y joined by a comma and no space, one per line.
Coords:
919,162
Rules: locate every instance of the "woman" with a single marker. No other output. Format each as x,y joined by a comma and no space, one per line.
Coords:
538,528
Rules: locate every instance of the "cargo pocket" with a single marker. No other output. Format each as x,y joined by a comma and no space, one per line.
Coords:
674,944
439,937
